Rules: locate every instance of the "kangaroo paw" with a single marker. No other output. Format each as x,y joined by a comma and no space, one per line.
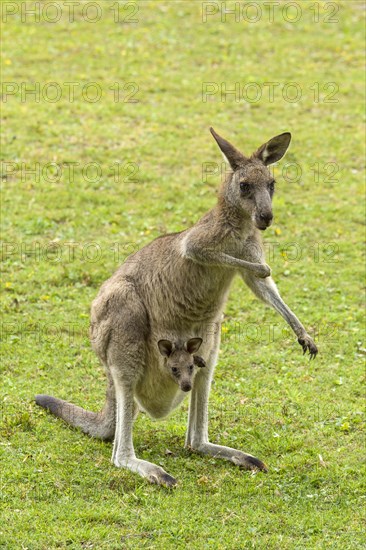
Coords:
308,344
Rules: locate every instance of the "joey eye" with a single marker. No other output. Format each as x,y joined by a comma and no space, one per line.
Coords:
244,188
174,370
190,368
271,186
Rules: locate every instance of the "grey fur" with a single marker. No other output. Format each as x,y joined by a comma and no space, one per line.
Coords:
175,288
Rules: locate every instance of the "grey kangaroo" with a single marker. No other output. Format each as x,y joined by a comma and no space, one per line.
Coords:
180,362
177,285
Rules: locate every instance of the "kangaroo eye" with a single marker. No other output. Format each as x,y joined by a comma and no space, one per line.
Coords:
244,187
174,370
190,368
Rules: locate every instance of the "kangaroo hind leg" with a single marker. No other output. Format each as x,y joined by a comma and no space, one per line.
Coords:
123,455
127,355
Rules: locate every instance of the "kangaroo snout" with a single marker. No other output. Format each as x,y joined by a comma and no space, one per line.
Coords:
185,386
264,220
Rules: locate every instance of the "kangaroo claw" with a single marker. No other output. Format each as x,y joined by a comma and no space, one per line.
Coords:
308,344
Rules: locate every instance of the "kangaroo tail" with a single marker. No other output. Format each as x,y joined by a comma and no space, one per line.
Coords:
100,425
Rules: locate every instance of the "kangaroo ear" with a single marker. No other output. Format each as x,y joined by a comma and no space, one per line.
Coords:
193,345
234,157
274,149
198,361
165,347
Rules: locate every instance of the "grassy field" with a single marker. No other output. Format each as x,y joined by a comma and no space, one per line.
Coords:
111,150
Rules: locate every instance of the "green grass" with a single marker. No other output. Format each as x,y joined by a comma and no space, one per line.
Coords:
59,489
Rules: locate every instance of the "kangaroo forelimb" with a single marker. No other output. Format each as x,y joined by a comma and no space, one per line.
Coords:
267,291
207,256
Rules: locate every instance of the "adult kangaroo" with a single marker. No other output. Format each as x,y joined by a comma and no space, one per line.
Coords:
175,288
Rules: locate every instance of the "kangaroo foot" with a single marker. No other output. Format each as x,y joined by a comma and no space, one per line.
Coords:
239,458
146,469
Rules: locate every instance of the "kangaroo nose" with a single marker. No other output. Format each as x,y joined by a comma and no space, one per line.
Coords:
186,387
266,217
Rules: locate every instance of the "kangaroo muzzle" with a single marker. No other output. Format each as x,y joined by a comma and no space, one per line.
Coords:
185,386
263,220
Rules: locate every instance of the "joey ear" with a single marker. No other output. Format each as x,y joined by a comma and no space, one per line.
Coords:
199,361
234,157
193,345
274,149
165,347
